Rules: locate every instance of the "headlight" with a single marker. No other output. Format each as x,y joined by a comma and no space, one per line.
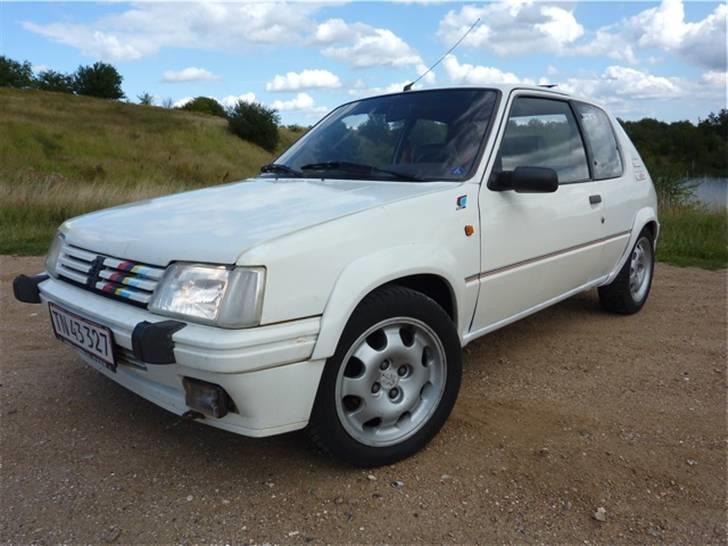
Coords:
51,261
219,295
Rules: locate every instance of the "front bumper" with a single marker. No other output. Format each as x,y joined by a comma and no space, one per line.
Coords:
266,371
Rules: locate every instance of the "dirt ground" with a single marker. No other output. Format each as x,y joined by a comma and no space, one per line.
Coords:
562,413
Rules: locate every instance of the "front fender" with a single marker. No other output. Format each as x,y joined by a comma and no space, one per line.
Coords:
369,272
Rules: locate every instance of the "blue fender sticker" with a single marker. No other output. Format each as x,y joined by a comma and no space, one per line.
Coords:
462,202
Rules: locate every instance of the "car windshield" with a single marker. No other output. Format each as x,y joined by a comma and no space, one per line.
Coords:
423,135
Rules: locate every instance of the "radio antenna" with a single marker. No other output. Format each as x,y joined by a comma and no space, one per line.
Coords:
426,72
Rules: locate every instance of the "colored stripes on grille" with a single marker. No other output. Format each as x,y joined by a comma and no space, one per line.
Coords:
122,279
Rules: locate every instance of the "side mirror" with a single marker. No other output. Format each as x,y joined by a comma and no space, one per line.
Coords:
526,180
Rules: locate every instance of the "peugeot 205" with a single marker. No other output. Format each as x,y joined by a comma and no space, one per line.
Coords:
336,290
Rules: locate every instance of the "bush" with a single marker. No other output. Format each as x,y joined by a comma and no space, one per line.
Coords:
15,74
205,105
256,123
50,80
98,80
146,99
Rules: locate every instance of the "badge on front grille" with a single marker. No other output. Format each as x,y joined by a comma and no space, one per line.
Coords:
93,274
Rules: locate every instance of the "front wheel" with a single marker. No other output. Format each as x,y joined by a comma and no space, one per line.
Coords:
392,382
629,290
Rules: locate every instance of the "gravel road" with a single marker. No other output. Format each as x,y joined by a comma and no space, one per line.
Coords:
560,414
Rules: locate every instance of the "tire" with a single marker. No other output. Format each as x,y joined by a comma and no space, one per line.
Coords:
392,382
628,292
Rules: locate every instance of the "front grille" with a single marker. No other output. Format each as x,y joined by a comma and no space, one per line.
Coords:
120,279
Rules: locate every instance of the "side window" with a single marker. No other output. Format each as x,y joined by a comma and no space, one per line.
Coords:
598,132
543,133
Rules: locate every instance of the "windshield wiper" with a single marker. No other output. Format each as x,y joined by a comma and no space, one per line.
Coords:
357,168
280,168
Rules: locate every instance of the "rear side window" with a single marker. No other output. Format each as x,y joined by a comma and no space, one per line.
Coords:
600,136
543,133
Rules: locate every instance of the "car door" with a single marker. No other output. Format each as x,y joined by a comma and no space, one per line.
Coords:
536,247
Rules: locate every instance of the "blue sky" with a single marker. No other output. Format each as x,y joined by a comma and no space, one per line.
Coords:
658,59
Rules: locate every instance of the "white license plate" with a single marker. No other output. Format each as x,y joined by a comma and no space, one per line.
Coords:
88,336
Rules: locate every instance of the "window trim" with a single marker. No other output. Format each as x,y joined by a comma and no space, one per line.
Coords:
590,152
504,125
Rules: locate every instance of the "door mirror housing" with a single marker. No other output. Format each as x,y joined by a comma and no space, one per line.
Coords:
526,180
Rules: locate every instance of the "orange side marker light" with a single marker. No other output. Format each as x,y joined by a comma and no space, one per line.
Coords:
469,230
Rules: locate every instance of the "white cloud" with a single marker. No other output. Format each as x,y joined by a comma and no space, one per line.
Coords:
607,44
232,100
307,79
332,30
513,27
302,102
618,84
38,68
181,102
145,28
363,45
718,79
476,74
664,28
189,74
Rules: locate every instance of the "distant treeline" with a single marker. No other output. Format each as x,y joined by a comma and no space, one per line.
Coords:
97,80
681,149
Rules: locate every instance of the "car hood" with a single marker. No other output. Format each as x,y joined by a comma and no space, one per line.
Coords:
218,224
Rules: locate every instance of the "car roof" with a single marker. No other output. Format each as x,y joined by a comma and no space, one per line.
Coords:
504,88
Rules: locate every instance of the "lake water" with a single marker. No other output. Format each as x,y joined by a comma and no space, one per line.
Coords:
712,192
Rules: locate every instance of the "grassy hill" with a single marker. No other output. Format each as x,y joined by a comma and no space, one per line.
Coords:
62,155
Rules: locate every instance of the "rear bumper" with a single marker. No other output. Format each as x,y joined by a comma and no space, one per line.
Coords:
267,371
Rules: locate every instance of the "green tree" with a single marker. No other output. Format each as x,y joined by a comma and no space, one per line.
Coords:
680,150
50,80
716,123
256,123
145,99
98,80
15,74
205,105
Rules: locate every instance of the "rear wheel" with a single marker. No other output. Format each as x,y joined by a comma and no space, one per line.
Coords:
392,382
629,290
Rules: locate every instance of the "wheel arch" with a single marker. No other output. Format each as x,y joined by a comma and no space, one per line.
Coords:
646,218
416,270
653,228
434,287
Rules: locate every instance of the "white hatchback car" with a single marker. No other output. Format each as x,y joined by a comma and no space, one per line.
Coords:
336,290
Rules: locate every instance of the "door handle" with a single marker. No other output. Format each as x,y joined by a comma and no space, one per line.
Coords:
595,199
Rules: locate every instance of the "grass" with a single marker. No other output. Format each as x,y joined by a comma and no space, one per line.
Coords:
693,236
62,155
